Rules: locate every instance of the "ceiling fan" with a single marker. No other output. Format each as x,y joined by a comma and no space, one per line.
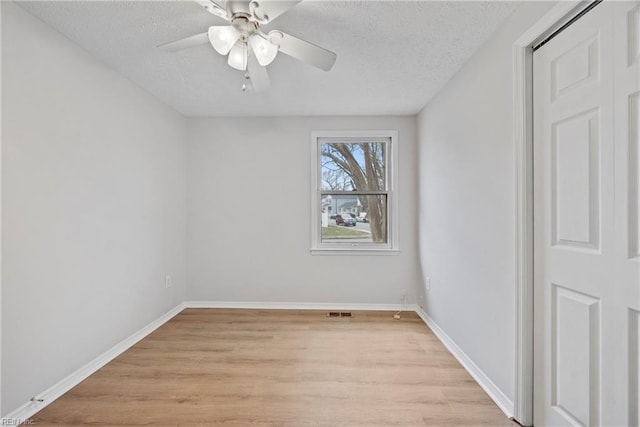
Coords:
247,47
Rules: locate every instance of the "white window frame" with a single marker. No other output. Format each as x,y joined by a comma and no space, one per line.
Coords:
390,137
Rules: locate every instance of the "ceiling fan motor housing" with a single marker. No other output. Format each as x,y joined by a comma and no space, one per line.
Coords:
244,26
238,8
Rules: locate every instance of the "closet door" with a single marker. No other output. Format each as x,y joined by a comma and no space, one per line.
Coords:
586,175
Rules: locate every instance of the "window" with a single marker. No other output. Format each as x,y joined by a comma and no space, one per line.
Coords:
353,203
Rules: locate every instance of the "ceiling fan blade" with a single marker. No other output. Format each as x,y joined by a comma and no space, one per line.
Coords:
216,7
265,11
185,43
257,74
303,50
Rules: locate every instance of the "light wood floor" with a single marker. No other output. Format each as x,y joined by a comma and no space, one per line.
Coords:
280,368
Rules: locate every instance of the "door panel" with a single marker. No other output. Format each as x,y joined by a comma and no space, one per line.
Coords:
575,361
575,68
575,193
633,35
634,367
634,175
587,221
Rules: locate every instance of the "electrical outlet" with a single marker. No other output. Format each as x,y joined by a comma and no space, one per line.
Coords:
167,282
421,301
404,297
427,282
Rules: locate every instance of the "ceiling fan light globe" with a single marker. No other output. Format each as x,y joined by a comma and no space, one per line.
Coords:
223,38
238,56
264,50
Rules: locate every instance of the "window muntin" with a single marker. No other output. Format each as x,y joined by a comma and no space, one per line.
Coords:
353,177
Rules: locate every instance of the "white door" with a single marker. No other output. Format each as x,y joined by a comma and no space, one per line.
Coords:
587,221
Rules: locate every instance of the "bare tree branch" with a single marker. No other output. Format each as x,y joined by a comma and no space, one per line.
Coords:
367,177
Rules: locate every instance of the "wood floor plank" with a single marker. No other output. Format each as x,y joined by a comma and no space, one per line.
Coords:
234,367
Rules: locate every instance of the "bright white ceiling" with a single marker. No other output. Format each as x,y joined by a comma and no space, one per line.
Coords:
393,56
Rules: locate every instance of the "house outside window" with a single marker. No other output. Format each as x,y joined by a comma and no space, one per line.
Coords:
354,203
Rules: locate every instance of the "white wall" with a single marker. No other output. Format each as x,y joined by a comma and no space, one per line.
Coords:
466,202
249,225
93,207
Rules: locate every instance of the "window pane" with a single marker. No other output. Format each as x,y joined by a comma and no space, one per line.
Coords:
351,166
354,218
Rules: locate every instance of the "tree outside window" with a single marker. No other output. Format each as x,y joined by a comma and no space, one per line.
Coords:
354,201
359,170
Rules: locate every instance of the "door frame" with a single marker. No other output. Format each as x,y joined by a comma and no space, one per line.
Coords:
522,61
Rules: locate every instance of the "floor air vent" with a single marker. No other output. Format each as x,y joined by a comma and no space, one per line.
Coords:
339,314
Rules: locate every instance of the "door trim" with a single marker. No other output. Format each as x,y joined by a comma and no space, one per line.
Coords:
522,61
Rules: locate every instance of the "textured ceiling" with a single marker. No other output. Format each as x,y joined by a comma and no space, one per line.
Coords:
393,56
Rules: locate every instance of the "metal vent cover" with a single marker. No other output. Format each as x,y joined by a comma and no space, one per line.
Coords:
339,314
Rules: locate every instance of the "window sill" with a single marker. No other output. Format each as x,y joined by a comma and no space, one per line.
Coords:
354,251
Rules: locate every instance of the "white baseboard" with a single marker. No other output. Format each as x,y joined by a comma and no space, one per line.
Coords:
298,305
504,403
29,409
